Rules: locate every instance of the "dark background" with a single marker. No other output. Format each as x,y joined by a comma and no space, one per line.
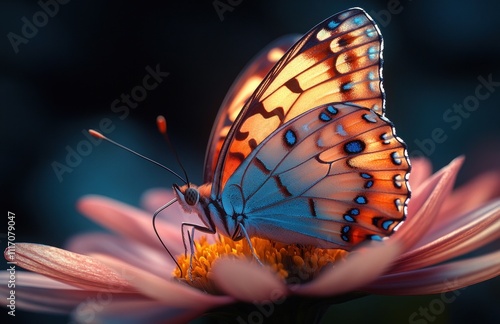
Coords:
66,77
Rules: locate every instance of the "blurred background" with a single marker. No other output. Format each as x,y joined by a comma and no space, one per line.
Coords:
66,76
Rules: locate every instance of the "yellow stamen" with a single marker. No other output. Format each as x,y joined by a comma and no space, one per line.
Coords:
291,262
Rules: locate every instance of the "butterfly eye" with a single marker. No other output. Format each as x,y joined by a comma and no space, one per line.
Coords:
191,196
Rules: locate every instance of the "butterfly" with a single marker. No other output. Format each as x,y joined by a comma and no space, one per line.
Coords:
301,151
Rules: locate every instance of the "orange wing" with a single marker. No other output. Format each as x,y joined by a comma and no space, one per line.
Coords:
242,88
339,60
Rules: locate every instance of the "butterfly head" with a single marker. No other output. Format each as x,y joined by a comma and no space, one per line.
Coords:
190,196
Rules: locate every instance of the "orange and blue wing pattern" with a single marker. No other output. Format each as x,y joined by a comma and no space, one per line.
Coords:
337,61
239,93
332,177
301,151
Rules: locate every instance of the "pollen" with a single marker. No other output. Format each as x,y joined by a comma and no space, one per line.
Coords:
294,263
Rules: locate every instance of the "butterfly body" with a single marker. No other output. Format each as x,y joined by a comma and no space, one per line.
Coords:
307,156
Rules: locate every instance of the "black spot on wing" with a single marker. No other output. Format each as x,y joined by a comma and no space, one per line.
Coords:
237,155
259,109
376,220
282,187
262,167
294,86
312,208
252,143
240,136
344,41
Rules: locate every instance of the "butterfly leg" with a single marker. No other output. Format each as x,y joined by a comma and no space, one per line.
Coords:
194,227
244,231
191,245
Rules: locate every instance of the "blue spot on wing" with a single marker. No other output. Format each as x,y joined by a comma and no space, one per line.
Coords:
372,53
371,32
354,147
349,218
370,117
353,211
345,230
366,176
324,117
333,24
357,21
332,110
346,86
361,200
386,224
327,114
290,137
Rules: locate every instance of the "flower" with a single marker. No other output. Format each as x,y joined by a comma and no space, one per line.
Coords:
128,275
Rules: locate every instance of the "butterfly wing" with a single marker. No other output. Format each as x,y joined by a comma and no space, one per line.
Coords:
332,177
339,60
242,88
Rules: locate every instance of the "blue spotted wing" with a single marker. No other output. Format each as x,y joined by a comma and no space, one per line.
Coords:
332,177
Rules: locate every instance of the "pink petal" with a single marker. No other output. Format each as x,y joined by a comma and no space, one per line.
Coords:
171,293
438,279
361,267
470,196
421,170
29,280
425,204
153,199
36,292
71,268
134,253
247,281
129,221
470,232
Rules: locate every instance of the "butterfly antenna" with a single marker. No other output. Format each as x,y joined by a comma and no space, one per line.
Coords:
158,235
100,136
161,122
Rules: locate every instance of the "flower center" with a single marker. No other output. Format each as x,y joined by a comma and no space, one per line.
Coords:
292,262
